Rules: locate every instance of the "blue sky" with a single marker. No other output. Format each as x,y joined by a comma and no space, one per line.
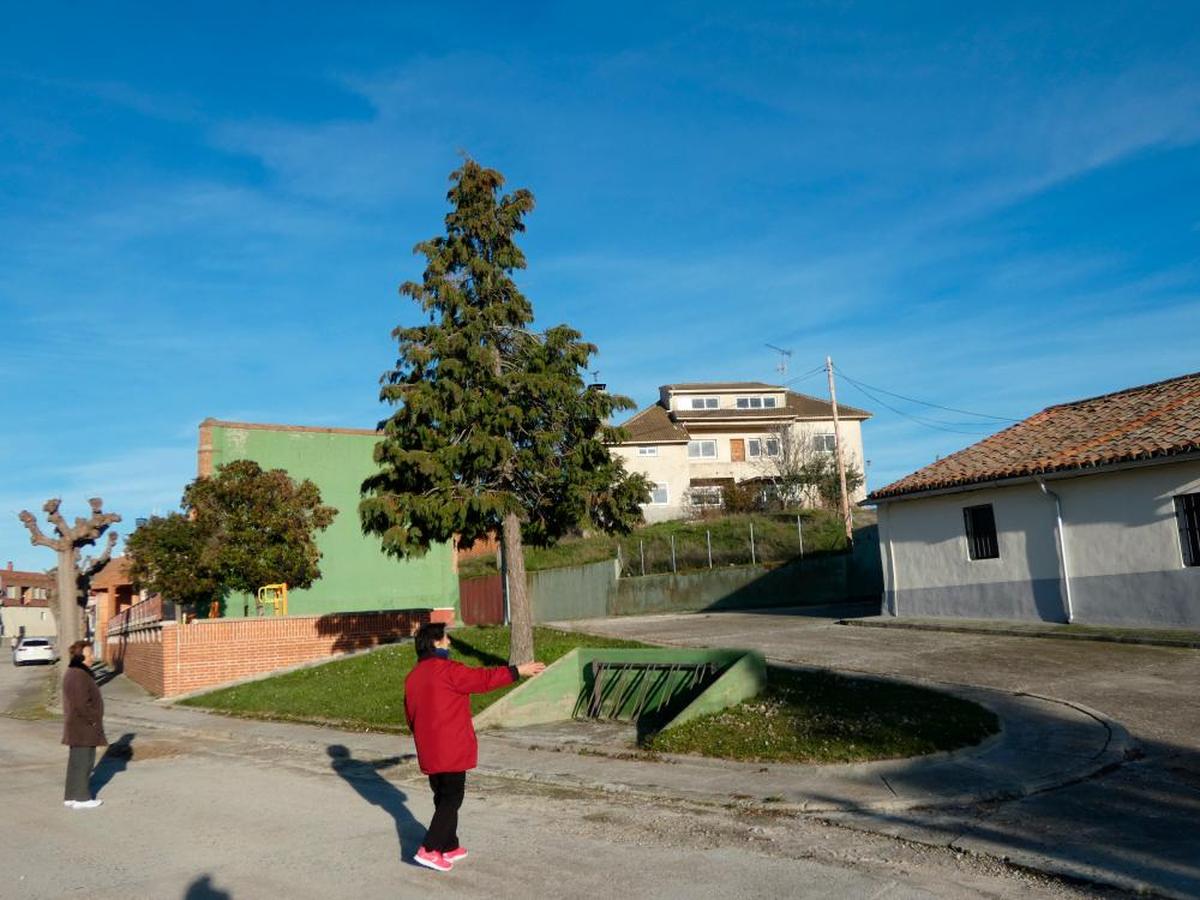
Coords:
205,211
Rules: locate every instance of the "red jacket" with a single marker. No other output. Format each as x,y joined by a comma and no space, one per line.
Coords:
437,703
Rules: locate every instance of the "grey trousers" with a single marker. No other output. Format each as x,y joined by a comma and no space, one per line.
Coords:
79,772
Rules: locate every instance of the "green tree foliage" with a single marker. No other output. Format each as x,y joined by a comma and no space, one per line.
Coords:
495,430
821,473
166,556
240,529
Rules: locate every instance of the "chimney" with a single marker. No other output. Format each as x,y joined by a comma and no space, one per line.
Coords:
10,568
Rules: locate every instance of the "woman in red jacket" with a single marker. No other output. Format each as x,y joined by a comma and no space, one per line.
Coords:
437,703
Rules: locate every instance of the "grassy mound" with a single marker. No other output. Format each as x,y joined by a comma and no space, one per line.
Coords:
820,717
366,692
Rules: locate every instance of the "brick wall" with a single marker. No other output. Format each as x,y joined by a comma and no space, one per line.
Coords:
169,659
139,654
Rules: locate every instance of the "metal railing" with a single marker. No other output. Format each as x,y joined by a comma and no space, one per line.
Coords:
140,614
626,691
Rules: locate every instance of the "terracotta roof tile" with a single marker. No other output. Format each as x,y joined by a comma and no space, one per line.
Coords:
653,423
1148,422
114,573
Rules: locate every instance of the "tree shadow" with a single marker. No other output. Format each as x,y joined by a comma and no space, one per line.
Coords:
114,761
361,631
1132,826
363,775
202,888
466,651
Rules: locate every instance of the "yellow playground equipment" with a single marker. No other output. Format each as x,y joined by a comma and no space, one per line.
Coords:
274,596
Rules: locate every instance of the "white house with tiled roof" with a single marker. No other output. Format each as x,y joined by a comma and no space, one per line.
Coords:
701,436
1086,512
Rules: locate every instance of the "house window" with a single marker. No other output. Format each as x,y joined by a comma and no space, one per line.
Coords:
704,403
749,402
1187,514
647,451
981,532
12,592
707,495
823,443
758,447
659,495
769,402
702,449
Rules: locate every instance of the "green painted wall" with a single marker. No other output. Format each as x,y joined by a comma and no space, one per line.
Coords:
575,592
563,691
356,575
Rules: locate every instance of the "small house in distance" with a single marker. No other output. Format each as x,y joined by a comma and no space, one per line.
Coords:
1086,512
699,437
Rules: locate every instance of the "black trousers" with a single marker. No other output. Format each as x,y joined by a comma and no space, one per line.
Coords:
448,789
80,762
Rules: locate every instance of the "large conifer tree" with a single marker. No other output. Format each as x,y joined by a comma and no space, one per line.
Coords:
495,430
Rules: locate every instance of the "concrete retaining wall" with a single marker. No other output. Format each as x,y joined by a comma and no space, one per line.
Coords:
578,592
596,591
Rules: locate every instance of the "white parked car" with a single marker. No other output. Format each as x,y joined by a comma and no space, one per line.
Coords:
33,649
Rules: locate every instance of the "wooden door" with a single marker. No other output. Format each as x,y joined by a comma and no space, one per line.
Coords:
737,449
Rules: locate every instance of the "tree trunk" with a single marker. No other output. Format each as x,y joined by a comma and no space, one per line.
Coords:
70,619
520,647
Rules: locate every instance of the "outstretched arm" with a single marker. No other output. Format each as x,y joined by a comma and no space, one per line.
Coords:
471,680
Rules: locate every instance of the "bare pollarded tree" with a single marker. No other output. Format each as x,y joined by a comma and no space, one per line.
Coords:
72,578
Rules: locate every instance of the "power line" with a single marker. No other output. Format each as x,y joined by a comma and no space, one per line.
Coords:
920,420
965,412
805,376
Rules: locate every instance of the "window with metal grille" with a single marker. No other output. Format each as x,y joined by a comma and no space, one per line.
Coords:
981,532
1187,514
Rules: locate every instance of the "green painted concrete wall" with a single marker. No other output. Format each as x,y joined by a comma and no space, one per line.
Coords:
813,581
356,575
577,592
564,689
595,591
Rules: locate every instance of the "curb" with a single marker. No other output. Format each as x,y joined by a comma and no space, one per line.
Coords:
1181,643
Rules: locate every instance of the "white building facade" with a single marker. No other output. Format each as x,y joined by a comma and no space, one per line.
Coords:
1103,526
700,437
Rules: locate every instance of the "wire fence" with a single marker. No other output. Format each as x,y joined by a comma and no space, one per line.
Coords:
693,550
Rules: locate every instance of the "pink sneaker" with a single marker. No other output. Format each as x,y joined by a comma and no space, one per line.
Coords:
453,856
431,859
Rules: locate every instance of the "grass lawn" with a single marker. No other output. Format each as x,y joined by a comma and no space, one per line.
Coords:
802,717
366,692
819,717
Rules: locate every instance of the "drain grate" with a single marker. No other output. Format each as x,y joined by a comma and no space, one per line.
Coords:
629,691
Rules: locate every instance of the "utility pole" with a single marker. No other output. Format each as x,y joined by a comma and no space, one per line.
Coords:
837,449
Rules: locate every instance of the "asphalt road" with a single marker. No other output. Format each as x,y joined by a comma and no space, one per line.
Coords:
21,687
217,813
1134,826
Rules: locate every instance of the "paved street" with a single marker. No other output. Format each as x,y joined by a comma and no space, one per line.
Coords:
1134,826
210,807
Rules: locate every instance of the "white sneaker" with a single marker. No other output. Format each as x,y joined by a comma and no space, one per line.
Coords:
69,804
86,804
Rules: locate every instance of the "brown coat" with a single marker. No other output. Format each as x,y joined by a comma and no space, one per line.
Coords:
83,709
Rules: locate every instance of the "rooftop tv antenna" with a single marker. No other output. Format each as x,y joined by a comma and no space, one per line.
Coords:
784,356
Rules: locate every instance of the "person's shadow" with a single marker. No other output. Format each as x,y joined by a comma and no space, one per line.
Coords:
115,759
204,889
363,775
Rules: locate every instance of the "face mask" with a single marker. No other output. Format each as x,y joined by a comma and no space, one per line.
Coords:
444,653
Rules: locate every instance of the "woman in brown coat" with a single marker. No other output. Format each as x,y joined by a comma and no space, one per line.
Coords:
83,726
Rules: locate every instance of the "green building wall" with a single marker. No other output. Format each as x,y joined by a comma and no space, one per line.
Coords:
355,573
